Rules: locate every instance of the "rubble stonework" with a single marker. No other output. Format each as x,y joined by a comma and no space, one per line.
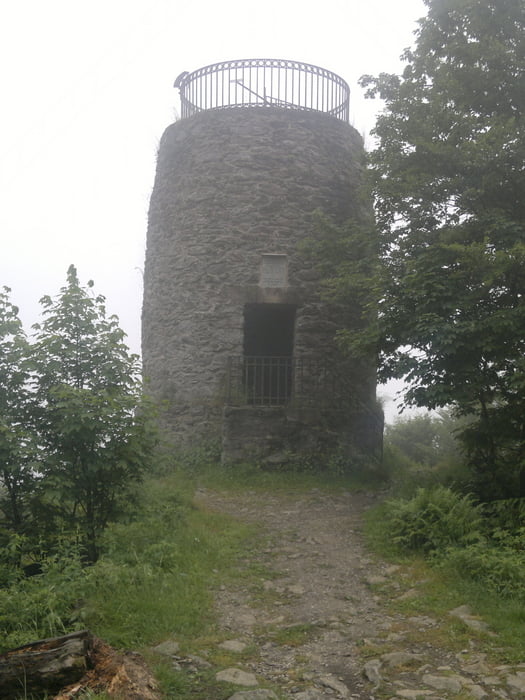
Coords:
231,187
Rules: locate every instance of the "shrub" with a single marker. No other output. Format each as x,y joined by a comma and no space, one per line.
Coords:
434,519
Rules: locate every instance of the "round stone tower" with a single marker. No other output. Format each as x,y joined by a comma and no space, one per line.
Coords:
237,343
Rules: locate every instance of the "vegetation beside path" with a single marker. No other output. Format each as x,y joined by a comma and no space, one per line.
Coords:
159,568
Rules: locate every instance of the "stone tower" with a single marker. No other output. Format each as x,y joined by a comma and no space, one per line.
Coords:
237,343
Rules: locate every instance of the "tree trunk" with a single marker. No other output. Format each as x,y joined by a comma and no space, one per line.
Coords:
45,666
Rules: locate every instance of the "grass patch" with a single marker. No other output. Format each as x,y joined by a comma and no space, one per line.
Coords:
294,635
182,685
505,616
164,566
201,469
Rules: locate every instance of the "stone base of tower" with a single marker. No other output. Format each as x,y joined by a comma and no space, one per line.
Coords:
188,426
279,435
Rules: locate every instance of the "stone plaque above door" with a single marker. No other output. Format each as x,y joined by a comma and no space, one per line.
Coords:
274,271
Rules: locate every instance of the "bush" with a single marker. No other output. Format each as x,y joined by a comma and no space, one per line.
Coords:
434,519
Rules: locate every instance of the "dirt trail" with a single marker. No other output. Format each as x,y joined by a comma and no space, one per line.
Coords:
320,629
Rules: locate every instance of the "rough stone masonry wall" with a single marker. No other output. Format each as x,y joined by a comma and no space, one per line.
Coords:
230,186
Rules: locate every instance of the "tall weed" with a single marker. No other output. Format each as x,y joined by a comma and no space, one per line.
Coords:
45,605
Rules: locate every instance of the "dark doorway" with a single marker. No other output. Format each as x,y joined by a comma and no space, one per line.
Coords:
268,349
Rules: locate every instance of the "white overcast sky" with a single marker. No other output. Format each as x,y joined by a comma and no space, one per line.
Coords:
86,92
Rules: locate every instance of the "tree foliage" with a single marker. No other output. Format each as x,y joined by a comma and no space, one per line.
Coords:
17,444
79,430
448,179
427,440
345,259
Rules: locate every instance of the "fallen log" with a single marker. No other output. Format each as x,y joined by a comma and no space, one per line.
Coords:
45,666
121,675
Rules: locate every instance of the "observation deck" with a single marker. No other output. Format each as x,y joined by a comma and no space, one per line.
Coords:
263,82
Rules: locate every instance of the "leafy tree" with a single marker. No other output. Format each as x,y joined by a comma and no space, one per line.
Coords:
345,260
415,437
448,180
94,426
427,439
17,446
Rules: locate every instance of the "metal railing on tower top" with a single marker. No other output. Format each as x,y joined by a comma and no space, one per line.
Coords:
264,82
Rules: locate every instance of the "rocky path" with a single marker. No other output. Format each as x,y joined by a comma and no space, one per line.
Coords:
317,624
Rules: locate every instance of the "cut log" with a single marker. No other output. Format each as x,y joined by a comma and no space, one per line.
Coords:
45,666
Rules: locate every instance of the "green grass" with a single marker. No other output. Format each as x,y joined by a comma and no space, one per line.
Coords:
440,589
196,686
207,473
505,616
156,581
294,635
